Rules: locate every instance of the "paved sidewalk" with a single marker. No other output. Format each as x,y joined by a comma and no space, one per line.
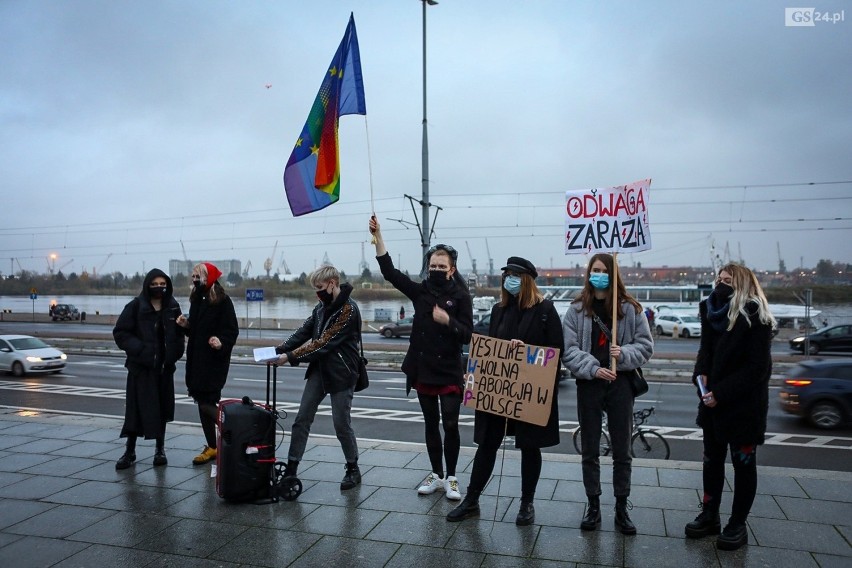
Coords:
63,504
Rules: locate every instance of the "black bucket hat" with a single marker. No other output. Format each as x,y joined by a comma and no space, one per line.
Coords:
521,266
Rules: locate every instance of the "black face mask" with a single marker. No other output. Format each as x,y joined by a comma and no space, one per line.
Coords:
325,296
723,291
156,292
198,285
438,277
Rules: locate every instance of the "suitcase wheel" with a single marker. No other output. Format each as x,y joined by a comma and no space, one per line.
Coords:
289,488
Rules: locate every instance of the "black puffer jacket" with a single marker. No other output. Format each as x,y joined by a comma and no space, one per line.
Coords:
435,352
329,342
738,365
207,368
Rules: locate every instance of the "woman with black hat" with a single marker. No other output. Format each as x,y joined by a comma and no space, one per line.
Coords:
443,323
522,316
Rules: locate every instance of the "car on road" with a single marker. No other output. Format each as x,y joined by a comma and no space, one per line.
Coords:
819,390
23,354
834,338
397,328
482,324
65,312
687,326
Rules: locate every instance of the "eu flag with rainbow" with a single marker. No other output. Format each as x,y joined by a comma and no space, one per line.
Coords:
312,174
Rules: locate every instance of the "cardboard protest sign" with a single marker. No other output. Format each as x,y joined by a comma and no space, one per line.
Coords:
610,219
513,382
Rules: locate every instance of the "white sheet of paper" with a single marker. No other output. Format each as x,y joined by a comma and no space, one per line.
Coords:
263,354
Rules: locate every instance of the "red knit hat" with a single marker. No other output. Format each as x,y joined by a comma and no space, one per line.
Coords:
213,273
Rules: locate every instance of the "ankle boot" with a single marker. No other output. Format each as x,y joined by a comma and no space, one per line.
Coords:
160,456
526,514
592,517
706,523
291,469
469,507
352,477
622,519
126,460
734,536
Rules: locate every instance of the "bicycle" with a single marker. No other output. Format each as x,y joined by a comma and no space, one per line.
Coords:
644,443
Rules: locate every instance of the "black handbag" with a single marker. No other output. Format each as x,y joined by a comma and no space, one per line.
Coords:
638,384
363,380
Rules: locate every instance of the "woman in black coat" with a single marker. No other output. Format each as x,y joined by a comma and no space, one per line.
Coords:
147,333
732,373
522,316
212,331
443,323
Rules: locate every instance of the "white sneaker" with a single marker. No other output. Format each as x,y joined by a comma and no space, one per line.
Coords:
431,484
451,487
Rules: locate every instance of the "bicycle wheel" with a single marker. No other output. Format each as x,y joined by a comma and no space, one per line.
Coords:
649,445
605,449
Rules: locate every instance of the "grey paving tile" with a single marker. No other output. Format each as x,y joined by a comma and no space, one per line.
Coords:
26,429
6,538
21,553
816,511
490,507
100,555
507,539
68,431
829,561
144,498
327,471
63,466
846,531
15,510
511,487
498,561
393,477
400,500
675,521
644,476
37,487
660,497
763,506
777,485
163,476
100,450
88,493
752,556
105,471
796,535
600,548
9,477
571,490
124,529
827,490
8,440
97,435
423,556
19,462
386,458
266,547
662,552
346,522
682,478
330,454
43,445
551,513
324,493
59,522
177,561
404,528
557,470
352,553
191,537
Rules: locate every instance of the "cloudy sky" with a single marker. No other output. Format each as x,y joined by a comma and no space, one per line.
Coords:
129,128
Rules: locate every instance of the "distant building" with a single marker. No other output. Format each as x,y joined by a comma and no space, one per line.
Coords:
177,267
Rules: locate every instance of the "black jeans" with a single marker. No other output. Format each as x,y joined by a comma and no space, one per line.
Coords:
486,457
448,415
744,459
595,397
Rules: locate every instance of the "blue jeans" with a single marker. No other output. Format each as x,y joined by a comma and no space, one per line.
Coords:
616,398
341,407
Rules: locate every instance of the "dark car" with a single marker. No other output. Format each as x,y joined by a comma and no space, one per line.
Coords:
397,328
65,312
481,325
820,390
835,338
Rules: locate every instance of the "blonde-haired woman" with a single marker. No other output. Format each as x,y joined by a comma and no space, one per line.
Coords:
733,367
212,331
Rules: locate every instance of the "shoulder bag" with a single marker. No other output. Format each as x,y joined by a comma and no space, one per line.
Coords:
363,380
638,384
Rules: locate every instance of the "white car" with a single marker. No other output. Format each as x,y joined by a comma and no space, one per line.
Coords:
687,326
22,354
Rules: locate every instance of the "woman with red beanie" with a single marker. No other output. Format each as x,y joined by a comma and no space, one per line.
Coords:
212,331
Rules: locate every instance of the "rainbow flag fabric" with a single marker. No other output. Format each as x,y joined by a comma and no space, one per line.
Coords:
312,174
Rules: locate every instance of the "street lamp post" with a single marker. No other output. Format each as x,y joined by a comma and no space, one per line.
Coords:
425,236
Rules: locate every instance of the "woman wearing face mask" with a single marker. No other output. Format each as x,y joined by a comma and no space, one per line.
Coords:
522,316
212,331
588,351
147,333
733,367
443,323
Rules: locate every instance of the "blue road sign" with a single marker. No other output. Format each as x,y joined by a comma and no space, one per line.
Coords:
254,294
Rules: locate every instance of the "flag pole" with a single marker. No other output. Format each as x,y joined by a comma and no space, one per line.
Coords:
370,169
615,307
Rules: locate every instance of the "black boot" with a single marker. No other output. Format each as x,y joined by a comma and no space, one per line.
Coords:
592,517
734,536
469,507
352,477
526,514
160,456
706,523
291,469
126,460
622,519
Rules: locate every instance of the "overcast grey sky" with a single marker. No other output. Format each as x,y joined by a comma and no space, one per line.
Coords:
130,127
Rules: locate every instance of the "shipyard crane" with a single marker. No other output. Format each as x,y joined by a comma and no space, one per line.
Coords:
283,265
246,269
267,264
325,260
363,266
64,265
472,260
490,260
95,272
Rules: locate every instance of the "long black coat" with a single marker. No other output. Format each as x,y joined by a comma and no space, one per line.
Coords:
207,368
434,354
538,325
329,342
153,343
738,365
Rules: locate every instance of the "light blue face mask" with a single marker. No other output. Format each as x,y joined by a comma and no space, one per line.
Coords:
599,280
512,284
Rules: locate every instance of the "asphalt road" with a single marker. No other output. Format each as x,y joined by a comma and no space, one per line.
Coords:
95,385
